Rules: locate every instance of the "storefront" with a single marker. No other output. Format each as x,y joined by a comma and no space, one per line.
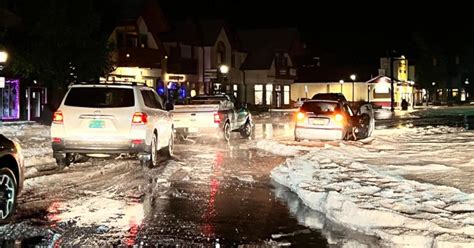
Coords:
10,99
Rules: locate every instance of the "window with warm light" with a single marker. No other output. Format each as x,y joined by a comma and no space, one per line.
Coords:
286,94
269,94
258,89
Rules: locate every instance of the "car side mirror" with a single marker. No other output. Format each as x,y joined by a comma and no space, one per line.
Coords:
169,106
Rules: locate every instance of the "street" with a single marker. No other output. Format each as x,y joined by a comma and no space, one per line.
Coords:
210,193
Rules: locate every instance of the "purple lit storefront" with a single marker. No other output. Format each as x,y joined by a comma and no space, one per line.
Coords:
10,100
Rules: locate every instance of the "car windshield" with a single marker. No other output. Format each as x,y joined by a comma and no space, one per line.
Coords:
100,97
320,107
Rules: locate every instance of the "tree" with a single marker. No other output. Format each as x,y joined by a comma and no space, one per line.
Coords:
446,58
54,36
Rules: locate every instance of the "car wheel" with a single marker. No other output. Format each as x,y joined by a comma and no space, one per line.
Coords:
227,131
169,150
246,130
65,162
153,154
8,193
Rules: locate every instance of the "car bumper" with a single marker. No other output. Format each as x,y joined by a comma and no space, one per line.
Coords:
100,146
198,132
318,133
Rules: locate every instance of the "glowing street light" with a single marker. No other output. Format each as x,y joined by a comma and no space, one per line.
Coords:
341,82
3,56
467,81
224,69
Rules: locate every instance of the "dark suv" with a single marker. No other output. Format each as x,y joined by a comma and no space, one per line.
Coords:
11,176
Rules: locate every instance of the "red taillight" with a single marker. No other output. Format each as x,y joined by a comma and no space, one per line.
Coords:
56,140
217,118
137,141
140,118
300,116
58,117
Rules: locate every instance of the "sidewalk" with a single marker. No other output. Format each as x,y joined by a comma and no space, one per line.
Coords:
12,123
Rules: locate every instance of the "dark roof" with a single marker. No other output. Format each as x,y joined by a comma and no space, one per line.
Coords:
258,60
262,44
203,33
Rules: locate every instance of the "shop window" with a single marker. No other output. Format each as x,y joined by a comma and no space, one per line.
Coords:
286,94
269,94
258,90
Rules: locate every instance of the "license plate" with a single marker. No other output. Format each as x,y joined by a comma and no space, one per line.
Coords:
193,129
319,122
96,124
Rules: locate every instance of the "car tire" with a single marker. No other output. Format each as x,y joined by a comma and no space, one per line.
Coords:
65,162
246,130
226,131
8,194
168,151
153,154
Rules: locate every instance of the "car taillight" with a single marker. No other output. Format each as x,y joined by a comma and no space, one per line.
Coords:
339,119
217,118
140,118
58,117
56,140
300,116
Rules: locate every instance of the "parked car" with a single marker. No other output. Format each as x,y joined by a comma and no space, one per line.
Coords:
216,115
333,119
105,119
11,176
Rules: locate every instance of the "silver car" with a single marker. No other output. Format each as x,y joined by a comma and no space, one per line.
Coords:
104,119
332,120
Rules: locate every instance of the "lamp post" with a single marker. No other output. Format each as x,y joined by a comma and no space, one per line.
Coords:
341,82
434,90
353,78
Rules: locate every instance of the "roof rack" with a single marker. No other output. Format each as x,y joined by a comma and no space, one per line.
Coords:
108,83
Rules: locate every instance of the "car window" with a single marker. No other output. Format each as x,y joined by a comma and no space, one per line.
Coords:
100,97
151,99
320,107
158,100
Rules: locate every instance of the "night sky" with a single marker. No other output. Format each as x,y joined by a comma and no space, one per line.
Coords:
328,31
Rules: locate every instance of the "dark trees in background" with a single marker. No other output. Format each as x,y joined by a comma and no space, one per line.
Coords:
447,59
56,43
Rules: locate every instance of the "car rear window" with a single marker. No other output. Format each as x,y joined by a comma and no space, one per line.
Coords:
320,107
100,97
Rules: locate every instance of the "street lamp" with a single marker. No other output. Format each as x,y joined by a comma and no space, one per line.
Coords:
223,69
353,78
341,82
467,81
3,56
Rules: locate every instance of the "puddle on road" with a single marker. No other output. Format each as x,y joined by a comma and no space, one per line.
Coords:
237,205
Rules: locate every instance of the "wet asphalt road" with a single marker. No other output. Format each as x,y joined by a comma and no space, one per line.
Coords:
213,194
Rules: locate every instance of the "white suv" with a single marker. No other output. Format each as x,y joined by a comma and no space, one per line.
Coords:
105,119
